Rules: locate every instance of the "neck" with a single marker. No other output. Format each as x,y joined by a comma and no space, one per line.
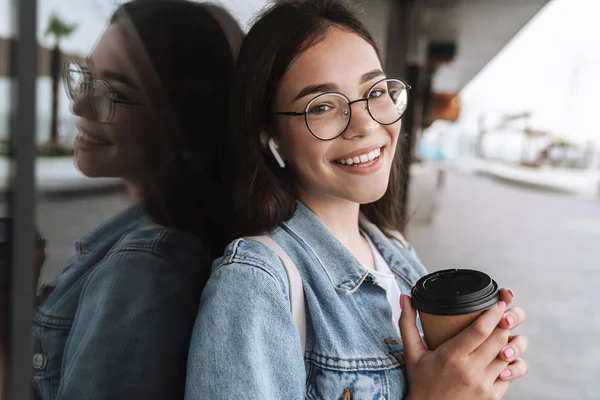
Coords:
340,216
133,191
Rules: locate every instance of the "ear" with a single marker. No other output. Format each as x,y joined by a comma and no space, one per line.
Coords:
270,144
263,136
275,151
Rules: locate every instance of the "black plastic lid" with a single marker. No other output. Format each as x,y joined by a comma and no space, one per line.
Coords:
454,292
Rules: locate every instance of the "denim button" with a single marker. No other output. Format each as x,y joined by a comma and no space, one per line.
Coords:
39,361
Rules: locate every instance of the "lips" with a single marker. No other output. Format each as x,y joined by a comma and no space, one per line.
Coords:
89,139
84,136
365,155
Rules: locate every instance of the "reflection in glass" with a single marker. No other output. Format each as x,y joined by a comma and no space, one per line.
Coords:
134,189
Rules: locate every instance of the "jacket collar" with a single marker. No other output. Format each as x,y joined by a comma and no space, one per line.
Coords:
114,227
396,253
343,269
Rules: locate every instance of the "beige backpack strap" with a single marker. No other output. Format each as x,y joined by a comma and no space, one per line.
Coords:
294,283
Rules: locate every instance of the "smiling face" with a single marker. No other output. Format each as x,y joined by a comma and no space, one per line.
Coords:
356,165
114,148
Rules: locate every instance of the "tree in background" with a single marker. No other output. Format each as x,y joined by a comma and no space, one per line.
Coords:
59,30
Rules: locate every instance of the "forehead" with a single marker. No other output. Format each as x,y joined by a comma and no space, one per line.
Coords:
113,50
120,51
341,57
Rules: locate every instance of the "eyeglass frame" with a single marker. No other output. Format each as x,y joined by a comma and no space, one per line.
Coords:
350,102
112,96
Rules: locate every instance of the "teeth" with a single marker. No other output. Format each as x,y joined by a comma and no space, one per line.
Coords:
89,139
370,156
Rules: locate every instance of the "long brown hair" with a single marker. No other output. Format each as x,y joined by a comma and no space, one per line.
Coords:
265,192
188,49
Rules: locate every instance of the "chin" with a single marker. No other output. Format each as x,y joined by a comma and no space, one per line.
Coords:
368,196
90,170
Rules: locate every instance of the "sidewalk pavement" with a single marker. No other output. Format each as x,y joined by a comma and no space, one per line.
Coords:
58,175
584,183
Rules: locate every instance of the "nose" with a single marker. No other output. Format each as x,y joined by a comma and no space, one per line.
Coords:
80,105
361,123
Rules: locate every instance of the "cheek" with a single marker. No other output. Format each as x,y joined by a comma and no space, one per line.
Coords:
129,131
394,132
301,148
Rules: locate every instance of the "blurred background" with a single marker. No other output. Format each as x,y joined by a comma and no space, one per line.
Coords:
503,150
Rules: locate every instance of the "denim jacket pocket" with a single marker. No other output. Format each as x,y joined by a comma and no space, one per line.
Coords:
50,336
353,378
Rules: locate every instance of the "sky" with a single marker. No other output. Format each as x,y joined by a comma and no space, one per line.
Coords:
551,68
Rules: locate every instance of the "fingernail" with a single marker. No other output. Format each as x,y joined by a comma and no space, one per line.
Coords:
505,374
510,320
511,293
401,302
508,353
502,305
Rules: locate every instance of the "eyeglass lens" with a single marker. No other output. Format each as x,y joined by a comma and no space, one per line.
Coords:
76,82
328,115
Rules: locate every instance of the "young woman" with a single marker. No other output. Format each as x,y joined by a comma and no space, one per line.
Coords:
317,124
152,105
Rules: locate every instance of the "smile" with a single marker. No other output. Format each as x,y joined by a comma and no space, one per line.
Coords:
88,139
361,160
374,162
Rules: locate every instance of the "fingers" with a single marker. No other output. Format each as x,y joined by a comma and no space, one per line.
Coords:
494,369
500,388
513,318
479,331
413,345
509,364
515,370
517,346
489,350
506,295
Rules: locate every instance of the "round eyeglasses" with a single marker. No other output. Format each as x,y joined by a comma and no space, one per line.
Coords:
328,115
101,97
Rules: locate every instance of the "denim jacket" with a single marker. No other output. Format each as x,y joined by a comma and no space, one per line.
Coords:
118,323
245,344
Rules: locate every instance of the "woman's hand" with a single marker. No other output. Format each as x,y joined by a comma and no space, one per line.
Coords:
517,344
472,365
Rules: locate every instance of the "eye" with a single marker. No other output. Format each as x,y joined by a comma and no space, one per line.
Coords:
118,96
375,93
320,109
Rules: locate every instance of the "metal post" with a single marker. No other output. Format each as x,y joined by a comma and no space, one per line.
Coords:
412,42
22,197
409,127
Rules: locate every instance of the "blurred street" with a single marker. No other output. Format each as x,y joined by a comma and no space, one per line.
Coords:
543,246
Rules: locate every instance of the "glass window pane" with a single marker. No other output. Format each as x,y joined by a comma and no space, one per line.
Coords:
5,35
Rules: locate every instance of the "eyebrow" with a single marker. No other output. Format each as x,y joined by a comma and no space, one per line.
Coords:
119,77
332,87
113,75
376,73
312,89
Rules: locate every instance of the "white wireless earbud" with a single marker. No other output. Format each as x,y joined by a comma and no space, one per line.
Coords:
275,151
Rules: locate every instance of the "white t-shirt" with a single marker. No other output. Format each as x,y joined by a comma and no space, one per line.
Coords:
384,278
